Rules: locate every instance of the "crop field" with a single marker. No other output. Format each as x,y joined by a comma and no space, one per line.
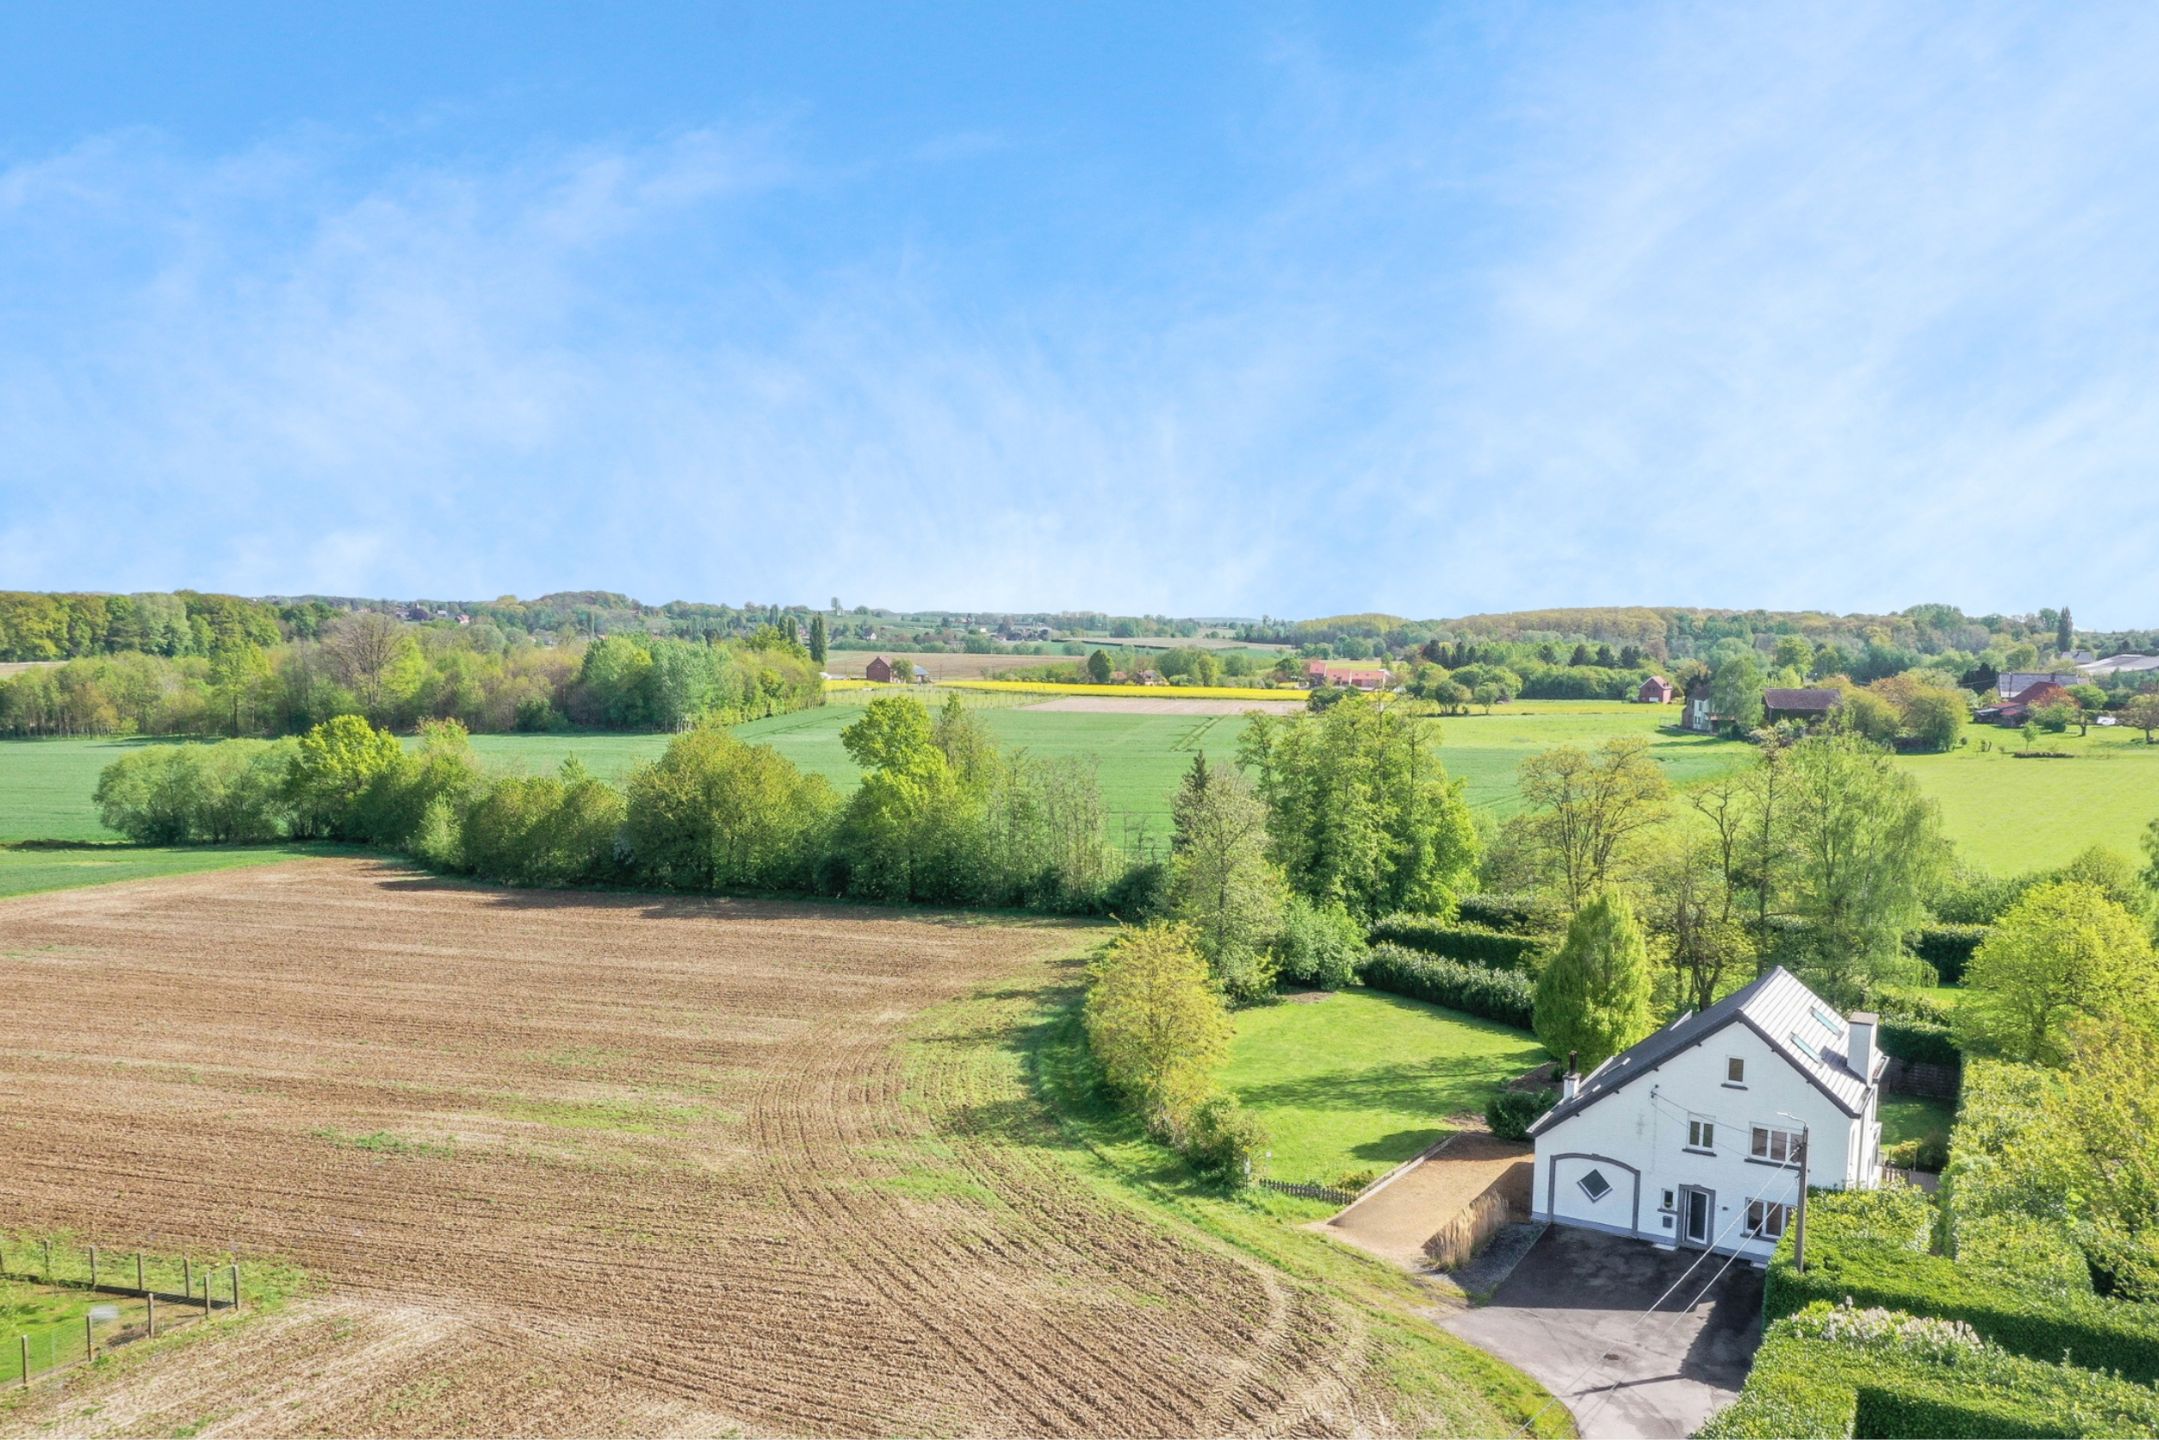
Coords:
941,664
574,1164
2006,815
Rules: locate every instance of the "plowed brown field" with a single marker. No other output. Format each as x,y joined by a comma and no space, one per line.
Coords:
611,1165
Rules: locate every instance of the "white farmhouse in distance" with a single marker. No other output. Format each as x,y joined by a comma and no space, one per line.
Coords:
1692,1137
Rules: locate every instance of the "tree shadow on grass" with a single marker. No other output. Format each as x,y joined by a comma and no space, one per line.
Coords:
1441,1086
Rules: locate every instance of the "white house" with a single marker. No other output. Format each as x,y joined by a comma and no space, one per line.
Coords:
1693,1137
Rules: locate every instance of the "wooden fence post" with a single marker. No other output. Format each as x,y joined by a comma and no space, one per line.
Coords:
48,1262
235,1289
205,1294
138,1274
26,1362
187,1276
149,1305
89,1339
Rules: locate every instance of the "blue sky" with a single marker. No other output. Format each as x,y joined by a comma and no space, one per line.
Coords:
1207,309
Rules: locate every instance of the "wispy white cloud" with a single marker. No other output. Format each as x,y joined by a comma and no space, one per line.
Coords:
1803,306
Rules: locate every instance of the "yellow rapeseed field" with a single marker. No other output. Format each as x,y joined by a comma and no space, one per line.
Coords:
1128,692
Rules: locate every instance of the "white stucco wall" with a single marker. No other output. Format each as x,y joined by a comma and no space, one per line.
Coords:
1637,1138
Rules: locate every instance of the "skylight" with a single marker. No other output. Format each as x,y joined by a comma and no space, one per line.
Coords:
1806,1046
1828,1021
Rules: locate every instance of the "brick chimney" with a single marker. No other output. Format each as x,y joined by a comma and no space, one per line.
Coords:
1570,1084
1859,1046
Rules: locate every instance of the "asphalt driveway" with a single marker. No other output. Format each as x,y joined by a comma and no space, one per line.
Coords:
1572,1315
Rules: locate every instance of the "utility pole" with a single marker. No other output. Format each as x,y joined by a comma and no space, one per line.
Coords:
1799,1242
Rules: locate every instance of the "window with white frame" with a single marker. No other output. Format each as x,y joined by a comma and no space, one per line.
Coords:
1774,1146
1701,1133
1735,1070
1766,1219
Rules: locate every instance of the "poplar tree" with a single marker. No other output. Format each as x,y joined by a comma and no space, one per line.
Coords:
817,638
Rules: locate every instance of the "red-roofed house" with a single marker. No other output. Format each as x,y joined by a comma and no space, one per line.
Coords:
1354,677
1656,690
2017,710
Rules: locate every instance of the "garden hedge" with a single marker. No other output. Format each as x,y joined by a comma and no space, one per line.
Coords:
1503,995
1836,1371
1948,948
1869,1247
1919,1042
1470,944
1512,914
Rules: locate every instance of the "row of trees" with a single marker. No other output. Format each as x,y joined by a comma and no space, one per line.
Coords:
399,675
941,816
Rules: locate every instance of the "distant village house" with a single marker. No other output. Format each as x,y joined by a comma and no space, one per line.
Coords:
1656,690
1808,707
1351,677
878,670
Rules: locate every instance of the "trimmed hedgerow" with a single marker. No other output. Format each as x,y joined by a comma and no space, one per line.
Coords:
1871,1247
1512,914
1502,995
1919,1042
1470,944
1948,948
1840,1371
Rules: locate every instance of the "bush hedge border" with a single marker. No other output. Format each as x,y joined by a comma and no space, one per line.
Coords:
1503,995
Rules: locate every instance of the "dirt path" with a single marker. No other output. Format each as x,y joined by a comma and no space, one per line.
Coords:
1395,1223
608,1165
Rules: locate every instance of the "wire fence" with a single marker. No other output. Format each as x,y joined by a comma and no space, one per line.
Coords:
109,1298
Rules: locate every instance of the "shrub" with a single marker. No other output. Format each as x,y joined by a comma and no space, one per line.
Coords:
1320,944
1139,894
1222,1139
1871,1247
225,793
1840,1371
1948,948
1470,944
1500,995
2025,1254
1510,914
1510,1113
1920,1042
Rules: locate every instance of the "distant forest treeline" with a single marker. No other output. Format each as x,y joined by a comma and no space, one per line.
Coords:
397,674
1667,633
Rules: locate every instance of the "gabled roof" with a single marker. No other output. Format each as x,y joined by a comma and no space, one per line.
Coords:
2046,692
1804,1030
1822,700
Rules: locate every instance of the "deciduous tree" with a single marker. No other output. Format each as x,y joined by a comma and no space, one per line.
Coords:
1587,810
2063,952
1222,882
1156,1023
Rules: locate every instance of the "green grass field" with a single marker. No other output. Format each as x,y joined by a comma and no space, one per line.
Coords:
28,871
1356,1082
2009,815
2006,815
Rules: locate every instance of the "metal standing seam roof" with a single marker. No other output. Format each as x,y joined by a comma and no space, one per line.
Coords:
1784,1012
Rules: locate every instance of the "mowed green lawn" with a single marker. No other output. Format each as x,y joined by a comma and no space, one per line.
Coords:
1355,1082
